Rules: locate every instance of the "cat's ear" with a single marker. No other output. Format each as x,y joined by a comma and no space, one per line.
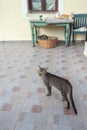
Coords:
42,68
39,67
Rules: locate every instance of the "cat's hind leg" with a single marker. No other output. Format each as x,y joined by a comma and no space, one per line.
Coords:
68,103
65,98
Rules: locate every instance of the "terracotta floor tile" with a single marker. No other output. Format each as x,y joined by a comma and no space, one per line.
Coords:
6,107
69,111
40,90
36,109
64,68
85,77
2,76
23,76
16,89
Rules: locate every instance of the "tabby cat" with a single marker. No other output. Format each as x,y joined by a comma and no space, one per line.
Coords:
63,85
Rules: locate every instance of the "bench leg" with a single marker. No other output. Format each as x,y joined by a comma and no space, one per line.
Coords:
73,38
33,36
86,37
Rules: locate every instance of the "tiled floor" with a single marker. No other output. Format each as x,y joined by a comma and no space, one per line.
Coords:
23,101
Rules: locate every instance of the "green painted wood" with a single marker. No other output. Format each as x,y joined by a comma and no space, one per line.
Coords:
34,24
80,20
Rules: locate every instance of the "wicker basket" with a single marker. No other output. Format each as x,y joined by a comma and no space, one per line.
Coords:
49,43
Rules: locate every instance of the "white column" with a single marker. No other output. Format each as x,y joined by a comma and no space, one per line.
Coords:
25,8
61,6
85,49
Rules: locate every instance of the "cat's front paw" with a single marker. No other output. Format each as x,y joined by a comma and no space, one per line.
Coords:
67,107
63,99
48,94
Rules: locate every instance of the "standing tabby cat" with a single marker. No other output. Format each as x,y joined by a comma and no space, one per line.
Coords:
63,85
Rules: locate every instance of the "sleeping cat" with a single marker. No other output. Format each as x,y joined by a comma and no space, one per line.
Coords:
63,85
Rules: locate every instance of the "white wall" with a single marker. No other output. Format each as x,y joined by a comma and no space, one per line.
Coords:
13,25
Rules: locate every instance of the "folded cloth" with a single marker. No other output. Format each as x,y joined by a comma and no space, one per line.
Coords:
55,20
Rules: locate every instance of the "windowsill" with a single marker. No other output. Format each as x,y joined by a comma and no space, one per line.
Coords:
41,11
35,15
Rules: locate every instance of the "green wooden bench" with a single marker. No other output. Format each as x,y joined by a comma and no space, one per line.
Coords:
79,26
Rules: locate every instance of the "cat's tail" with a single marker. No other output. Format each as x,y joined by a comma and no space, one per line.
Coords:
72,101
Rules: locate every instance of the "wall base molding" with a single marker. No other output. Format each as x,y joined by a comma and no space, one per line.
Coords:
17,41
